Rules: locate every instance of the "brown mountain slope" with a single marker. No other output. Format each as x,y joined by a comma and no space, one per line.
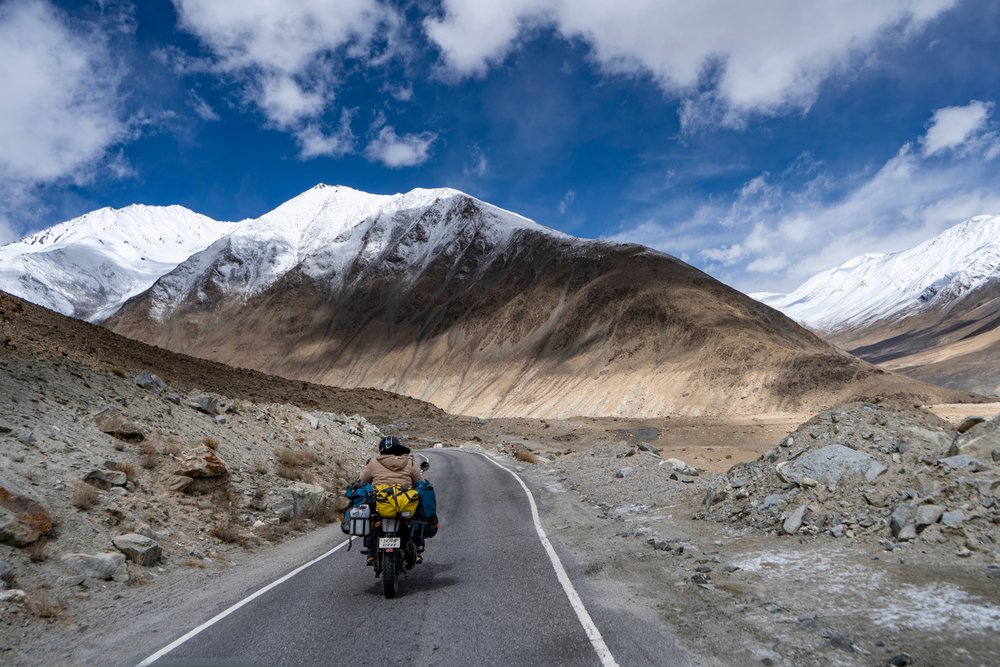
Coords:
957,347
542,327
36,332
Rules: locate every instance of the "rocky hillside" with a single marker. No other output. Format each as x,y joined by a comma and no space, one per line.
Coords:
125,470
442,297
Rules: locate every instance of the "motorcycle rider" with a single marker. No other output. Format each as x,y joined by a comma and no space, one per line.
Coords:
393,465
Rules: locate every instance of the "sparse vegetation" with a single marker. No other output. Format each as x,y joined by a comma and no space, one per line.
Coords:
211,443
299,458
126,468
84,496
40,606
522,453
149,461
117,370
228,532
261,467
38,551
173,448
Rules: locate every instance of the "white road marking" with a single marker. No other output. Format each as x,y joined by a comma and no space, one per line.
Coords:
596,640
218,617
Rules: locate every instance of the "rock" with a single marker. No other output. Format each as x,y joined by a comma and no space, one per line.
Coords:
178,483
138,548
953,518
150,382
995,455
313,421
646,447
6,571
297,500
902,522
22,518
98,566
623,473
681,467
900,660
794,520
874,471
875,499
968,423
787,442
828,464
105,479
118,491
220,419
927,515
808,482
13,595
773,500
172,398
203,403
962,461
116,424
201,461
838,530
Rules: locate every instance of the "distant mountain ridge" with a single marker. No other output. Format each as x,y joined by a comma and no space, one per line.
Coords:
440,296
89,266
932,311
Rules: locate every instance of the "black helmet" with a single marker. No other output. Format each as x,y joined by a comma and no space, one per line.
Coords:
390,444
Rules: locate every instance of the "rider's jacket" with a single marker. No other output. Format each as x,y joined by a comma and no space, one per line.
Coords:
391,469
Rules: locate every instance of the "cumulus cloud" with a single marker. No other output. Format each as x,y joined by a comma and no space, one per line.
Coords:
314,142
726,59
778,230
396,151
953,126
59,111
289,54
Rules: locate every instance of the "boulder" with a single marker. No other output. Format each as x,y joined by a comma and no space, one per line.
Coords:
874,471
828,464
297,500
22,518
313,421
962,461
116,424
902,522
953,518
203,403
201,461
105,479
968,423
681,467
927,515
98,566
794,520
150,382
623,473
138,548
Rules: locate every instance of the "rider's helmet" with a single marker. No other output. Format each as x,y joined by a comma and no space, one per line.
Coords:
390,444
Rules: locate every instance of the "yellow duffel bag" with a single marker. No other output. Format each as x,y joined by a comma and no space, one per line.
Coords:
392,501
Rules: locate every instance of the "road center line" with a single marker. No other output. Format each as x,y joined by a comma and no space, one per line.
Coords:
218,617
593,634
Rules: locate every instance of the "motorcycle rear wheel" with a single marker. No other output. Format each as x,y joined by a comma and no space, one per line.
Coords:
390,570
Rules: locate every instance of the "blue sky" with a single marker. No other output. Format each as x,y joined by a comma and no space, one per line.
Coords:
762,142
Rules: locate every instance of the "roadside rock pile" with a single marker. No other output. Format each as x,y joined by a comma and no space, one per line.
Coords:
888,471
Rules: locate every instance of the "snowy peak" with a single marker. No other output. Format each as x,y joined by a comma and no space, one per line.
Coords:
873,288
87,267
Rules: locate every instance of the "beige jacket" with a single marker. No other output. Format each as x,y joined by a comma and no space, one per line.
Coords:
391,469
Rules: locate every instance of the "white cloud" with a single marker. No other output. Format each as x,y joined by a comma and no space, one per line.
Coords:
395,151
289,54
7,231
771,236
59,109
480,164
953,126
314,142
567,201
402,93
727,59
203,108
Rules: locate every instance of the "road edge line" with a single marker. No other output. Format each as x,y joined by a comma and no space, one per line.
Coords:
221,615
582,615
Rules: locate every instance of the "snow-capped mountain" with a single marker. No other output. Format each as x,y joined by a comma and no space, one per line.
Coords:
329,233
87,267
440,296
878,288
932,312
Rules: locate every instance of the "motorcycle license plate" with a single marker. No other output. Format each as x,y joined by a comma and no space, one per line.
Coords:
388,543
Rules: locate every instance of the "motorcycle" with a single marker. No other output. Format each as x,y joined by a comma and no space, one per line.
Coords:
393,544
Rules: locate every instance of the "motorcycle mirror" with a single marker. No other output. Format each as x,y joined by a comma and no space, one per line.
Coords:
424,465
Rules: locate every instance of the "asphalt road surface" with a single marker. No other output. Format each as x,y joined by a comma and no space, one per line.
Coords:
486,594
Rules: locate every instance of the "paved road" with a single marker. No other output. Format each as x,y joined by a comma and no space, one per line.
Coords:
486,594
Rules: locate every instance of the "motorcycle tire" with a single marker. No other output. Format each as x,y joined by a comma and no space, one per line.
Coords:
390,570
